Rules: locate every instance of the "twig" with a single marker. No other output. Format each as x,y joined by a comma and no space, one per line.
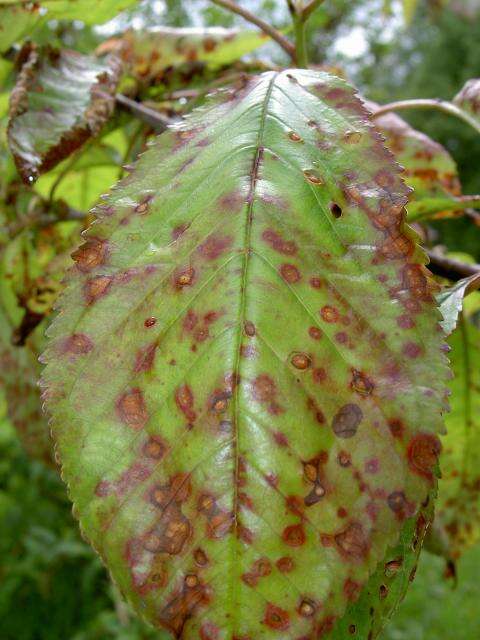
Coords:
42,220
149,116
261,24
451,269
307,11
427,103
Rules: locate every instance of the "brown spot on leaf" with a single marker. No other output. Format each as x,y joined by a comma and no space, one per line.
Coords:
145,358
294,535
361,383
301,361
132,409
155,448
249,329
275,240
150,322
183,277
90,255
329,314
78,344
290,273
184,400
95,288
315,333
285,564
422,453
276,618
352,543
346,421
214,246
181,605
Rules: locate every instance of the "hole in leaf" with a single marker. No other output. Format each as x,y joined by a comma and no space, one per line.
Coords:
336,209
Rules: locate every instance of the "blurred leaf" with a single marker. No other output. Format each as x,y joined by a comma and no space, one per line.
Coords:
423,208
60,100
281,187
18,22
409,9
468,99
149,54
429,168
458,505
450,301
31,269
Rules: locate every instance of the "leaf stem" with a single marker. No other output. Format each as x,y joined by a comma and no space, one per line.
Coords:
451,269
261,24
149,116
427,103
309,8
300,41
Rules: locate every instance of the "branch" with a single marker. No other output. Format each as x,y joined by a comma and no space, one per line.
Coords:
261,24
426,103
451,269
307,11
149,116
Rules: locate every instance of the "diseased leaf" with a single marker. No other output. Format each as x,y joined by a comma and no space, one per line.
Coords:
149,54
31,268
441,207
429,168
244,379
451,301
61,99
458,506
468,99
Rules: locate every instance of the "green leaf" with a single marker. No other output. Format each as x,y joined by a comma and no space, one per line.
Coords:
16,23
440,207
429,169
61,99
409,9
149,54
451,299
245,378
82,10
31,269
459,497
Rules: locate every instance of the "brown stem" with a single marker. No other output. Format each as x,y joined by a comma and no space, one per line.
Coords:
451,269
427,103
149,116
261,24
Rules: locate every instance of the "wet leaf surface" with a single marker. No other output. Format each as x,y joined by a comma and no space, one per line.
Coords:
240,375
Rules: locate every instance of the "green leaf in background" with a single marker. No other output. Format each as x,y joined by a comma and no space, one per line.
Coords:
85,10
31,269
149,54
429,168
409,9
458,507
451,300
18,22
243,378
61,99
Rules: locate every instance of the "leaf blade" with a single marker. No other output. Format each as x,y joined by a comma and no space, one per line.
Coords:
241,213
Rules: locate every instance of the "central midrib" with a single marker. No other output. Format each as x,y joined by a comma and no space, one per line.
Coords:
246,262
